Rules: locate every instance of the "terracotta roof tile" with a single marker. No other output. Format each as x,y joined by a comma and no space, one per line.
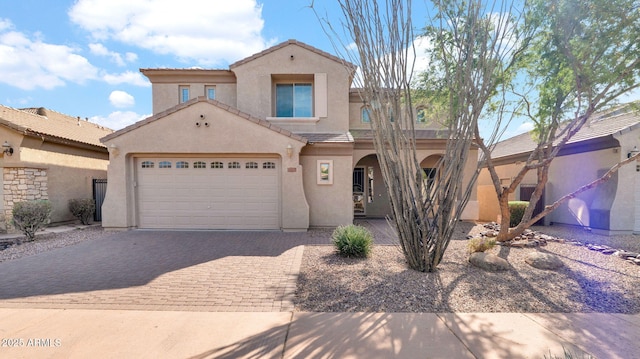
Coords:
41,121
292,42
323,137
601,125
441,134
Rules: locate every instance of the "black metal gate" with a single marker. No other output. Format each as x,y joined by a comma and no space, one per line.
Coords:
99,191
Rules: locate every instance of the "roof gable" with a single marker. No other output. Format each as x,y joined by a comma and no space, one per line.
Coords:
215,103
295,43
44,122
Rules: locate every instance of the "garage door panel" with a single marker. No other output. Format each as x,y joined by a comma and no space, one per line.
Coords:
208,198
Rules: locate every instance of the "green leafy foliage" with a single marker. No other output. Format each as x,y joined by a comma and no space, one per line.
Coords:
31,216
517,208
352,241
83,209
478,244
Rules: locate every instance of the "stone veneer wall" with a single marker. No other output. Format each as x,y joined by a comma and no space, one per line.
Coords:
22,184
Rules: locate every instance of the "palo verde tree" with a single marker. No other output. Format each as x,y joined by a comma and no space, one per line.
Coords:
585,54
577,56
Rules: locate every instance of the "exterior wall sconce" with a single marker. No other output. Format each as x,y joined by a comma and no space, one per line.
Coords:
289,150
8,150
631,153
113,149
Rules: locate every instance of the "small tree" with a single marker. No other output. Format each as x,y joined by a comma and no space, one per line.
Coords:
31,216
83,209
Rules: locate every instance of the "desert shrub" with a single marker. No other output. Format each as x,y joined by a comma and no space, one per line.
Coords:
82,208
481,244
31,216
517,208
352,241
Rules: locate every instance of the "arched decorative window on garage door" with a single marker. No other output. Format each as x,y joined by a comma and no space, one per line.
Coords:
268,165
164,164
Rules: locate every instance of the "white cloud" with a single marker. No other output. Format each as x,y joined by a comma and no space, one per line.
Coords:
118,119
118,59
209,32
29,64
121,99
128,77
524,127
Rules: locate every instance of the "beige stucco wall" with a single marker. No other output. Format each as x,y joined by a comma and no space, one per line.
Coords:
69,170
615,198
167,95
255,86
177,135
329,205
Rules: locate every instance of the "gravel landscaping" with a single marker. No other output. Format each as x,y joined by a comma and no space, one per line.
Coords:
589,281
48,241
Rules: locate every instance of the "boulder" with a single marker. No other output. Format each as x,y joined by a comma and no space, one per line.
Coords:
542,260
488,262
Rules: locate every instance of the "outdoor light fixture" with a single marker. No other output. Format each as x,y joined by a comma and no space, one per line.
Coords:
289,150
8,150
631,153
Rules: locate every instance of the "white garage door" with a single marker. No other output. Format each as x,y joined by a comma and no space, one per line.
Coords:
208,193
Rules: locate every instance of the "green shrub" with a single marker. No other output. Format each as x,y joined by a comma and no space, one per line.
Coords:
517,208
481,244
29,217
83,209
352,241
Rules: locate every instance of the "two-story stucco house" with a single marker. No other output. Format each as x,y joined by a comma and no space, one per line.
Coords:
279,140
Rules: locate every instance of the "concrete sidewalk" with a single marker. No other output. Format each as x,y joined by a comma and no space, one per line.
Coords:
80,333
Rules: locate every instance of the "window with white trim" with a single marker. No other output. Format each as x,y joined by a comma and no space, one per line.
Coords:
233,165
217,164
164,164
251,165
182,164
268,165
147,164
199,164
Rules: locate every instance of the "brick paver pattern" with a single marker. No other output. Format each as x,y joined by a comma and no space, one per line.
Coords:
163,270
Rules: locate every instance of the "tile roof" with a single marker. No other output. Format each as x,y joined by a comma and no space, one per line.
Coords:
601,125
323,137
441,134
45,122
216,103
293,42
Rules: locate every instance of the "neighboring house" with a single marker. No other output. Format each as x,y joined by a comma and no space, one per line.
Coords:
606,139
48,155
277,141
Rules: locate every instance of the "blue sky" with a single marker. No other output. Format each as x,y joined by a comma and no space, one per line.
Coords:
82,57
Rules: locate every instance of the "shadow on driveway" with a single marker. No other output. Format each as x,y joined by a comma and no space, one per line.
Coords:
135,258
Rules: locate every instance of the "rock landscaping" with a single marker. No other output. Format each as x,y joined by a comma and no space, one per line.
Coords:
576,277
532,239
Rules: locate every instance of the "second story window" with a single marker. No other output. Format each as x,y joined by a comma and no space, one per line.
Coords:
184,94
365,115
421,115
294,100
210,91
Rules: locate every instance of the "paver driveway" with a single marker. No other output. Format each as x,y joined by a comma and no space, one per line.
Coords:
163,270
